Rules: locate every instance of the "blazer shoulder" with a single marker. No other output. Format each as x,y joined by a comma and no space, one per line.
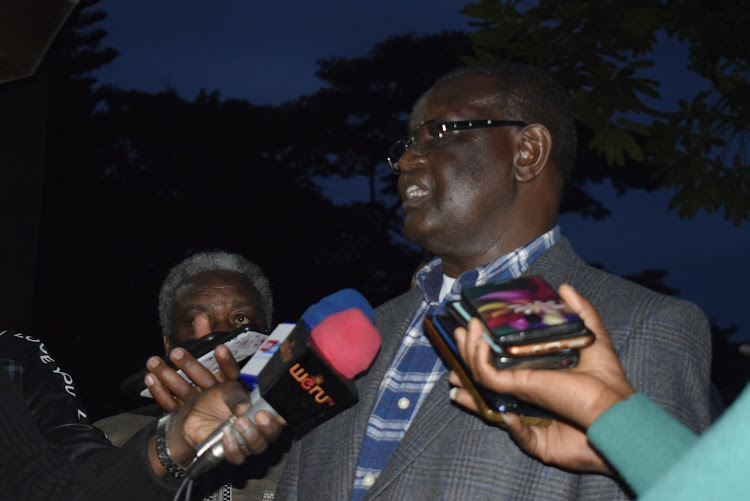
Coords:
398,310
607,292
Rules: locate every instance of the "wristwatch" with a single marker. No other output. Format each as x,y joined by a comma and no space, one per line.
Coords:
162,448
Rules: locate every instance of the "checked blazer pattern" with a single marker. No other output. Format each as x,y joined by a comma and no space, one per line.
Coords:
449,454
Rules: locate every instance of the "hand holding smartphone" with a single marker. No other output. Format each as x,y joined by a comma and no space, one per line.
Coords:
491,405
524,317
527,325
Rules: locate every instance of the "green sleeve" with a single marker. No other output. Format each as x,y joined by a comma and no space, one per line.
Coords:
717,466
640,440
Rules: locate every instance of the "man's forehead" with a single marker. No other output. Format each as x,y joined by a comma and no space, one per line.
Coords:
217,281
454,98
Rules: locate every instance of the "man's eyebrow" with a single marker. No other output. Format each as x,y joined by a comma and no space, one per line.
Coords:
203,307
200,308
236,302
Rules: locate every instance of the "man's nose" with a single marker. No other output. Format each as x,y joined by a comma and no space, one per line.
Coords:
221,325
410,159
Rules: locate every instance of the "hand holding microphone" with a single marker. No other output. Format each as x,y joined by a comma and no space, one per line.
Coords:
198,410
307,380
199,417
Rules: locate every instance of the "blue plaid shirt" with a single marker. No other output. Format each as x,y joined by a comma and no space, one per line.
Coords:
417,367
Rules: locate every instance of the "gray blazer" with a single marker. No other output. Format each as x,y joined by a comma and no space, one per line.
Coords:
447,453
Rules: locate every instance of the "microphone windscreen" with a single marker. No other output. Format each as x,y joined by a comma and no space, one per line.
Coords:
334,303
347,341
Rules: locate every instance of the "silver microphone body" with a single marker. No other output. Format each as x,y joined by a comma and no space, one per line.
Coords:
211,451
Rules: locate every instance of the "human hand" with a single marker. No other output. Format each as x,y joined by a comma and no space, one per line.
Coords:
579,395
171,390
201,326
201,416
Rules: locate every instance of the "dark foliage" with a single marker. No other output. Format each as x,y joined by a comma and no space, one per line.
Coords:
137,181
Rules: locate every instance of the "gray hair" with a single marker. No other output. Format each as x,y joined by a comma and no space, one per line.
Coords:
185,272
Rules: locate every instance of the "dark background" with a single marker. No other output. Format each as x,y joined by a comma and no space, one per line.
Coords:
261,129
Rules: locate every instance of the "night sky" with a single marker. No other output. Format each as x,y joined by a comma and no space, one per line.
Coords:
266,52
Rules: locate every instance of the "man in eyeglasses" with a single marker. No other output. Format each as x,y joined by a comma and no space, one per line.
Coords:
480,177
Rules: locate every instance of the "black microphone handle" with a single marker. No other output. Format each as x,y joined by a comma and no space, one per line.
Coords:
211,451
296,383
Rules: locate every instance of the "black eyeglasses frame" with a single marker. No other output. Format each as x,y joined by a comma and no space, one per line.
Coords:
397,150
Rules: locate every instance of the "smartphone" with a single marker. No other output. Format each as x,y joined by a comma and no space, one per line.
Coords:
491,405
524,311
546,347
553,357
243,342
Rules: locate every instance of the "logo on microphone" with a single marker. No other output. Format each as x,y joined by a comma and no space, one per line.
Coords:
311,384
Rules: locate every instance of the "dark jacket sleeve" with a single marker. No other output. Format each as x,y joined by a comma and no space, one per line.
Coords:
48,449
50,394
32,467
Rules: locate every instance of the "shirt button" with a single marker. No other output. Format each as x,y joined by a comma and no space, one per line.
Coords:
403,403
368,480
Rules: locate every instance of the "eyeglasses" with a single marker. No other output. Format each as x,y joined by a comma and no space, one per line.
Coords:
428,135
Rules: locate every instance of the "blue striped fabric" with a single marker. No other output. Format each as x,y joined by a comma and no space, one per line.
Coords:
416,367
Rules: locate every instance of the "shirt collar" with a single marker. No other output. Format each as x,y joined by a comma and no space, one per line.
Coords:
430,277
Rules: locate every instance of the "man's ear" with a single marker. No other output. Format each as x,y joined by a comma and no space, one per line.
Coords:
532,153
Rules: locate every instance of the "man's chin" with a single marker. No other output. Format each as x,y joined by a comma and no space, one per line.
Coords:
421,235
412,231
